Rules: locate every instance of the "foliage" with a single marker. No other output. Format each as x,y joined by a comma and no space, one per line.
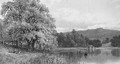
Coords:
115,41
47,59
106,40
31,58
95,43
72,39
115,52
29,24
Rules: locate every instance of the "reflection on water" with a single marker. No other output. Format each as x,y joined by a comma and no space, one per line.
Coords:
97,56
116,52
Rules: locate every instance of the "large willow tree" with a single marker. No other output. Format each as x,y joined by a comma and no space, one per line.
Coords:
29,24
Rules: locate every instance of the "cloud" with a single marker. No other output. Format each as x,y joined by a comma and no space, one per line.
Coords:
115,4
51,3
115,26
114,1
71,18
67,14
61,29
72,15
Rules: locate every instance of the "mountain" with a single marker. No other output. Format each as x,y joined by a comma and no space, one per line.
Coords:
99,33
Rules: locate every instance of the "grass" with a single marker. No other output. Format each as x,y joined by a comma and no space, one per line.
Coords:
33,58
28,58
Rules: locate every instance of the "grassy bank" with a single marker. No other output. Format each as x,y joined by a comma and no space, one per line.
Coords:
28,57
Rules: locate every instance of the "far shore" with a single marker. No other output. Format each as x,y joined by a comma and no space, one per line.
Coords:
82,49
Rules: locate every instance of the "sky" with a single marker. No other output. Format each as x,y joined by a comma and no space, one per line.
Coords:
84,14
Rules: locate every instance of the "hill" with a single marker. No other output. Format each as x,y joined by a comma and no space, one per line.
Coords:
99,33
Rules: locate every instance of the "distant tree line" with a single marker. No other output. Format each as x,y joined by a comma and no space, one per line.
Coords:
95,43
74,39
114,41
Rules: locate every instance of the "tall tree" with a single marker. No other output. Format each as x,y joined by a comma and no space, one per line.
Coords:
69,41
79,39
61,39
29,23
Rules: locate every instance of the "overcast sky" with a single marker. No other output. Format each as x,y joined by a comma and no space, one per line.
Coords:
84,14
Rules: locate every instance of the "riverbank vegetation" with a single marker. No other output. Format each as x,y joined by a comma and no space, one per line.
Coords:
74,39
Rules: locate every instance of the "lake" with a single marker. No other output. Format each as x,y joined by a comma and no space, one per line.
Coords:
97,56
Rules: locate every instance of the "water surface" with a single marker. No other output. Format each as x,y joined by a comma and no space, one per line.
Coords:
97,56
